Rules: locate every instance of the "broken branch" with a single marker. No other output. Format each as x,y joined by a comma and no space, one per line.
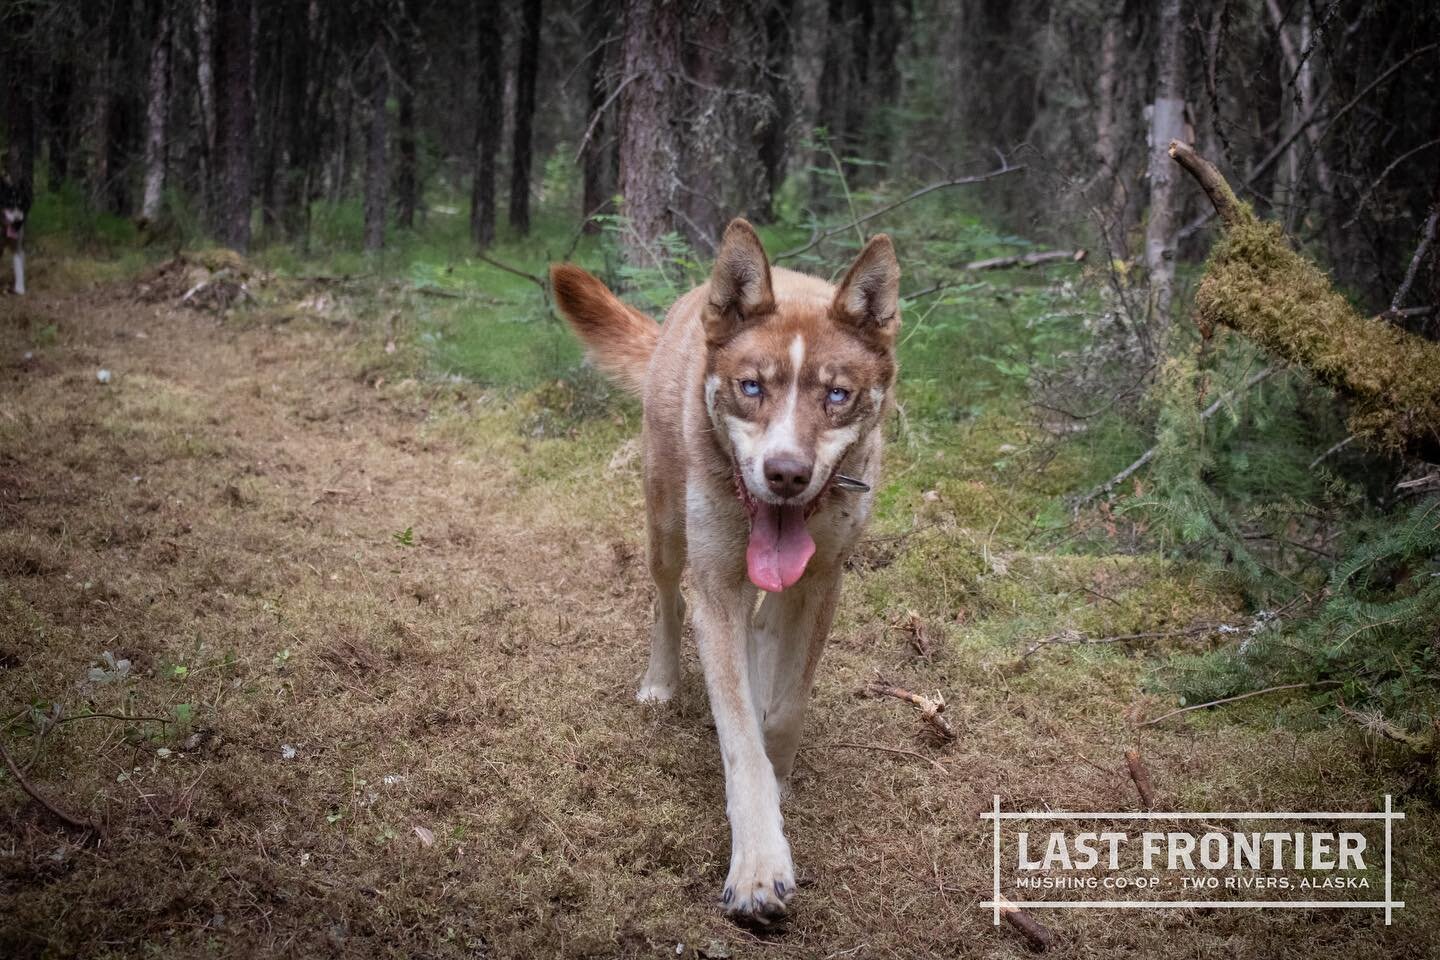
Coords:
1241,696
930,709
1141,776
1149,455
822,235
896,750
1036,934
1034,259
1259,286
38,797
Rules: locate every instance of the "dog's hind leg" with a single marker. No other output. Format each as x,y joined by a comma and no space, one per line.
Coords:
788,638
667,562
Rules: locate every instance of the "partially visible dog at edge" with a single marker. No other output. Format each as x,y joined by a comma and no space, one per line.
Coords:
764,392
14,208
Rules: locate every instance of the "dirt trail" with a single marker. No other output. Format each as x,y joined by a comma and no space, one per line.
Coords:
425,744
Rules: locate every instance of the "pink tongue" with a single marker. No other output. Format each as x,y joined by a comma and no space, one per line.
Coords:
779,548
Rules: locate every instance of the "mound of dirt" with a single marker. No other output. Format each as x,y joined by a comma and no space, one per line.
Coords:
212,280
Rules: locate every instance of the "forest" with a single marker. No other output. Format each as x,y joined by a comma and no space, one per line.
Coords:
323,576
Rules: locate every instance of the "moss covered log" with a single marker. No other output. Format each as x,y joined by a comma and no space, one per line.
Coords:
1257,285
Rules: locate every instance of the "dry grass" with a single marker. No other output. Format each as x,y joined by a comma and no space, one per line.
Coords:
225,514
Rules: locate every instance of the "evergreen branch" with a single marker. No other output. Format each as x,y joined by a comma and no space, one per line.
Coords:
1149,455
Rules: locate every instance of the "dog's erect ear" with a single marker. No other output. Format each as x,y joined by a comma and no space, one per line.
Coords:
869,297
740,291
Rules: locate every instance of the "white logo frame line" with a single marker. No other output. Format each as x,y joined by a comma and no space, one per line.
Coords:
1389,815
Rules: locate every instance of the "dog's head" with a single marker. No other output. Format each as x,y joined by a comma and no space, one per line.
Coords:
14,203
792,385
14,221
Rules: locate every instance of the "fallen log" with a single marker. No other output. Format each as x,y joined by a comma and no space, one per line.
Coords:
1256,285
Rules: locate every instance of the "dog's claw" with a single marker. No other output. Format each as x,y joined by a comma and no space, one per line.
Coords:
760,894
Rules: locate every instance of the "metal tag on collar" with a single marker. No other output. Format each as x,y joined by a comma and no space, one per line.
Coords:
850,483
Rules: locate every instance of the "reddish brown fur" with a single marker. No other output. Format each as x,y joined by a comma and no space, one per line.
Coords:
761,352
620,338
702,433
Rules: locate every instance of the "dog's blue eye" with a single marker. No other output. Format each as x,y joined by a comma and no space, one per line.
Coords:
838,395
751,388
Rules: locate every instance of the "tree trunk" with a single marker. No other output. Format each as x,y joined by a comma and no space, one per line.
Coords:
270,87
235,133
649,145
701,202
811,29
488,122
407,181
773,140
299,111
1108,136
597,173
157,112
59,121
377,184
20,101
205,90
118,129
526,68
1167,123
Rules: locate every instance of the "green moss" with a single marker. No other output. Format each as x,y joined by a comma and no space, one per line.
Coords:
1257,285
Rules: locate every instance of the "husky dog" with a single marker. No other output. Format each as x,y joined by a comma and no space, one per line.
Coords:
14,207
763,395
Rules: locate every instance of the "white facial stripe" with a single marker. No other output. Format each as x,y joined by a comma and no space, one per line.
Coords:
781,437
712,387
745,441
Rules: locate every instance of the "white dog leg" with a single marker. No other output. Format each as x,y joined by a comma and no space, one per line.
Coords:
762,876
19,263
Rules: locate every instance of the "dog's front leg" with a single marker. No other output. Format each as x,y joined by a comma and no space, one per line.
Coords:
19,264
762,877
789,636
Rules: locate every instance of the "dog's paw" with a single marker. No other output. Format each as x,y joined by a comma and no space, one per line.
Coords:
655,692
760,884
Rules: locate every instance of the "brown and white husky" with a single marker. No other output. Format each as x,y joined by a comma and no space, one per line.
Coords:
764,391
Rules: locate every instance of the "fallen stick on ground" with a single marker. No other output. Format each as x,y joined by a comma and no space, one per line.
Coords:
1141,776
39,798
1074,638
1240,696
896,750
930,710
1036,934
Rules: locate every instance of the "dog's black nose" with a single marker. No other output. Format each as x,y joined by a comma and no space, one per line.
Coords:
787,476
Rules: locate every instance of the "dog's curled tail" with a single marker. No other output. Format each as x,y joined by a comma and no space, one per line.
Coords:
621,338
